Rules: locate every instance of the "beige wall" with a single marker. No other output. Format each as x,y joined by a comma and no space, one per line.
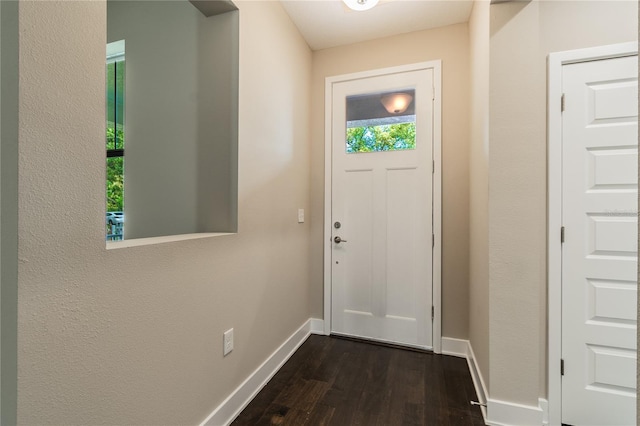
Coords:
479,186
517,195
134,336
451,45
522,35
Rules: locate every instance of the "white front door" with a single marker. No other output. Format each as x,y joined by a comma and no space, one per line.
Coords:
599,255
381,214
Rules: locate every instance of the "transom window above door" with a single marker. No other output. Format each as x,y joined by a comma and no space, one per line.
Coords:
384,121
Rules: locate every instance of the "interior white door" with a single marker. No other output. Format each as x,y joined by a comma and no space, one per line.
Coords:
382,208
599,267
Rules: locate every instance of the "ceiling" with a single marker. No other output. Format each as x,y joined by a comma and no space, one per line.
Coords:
329,23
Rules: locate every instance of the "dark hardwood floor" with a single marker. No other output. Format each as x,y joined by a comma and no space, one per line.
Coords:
334,381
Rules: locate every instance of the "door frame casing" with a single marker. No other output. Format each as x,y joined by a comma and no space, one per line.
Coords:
555,62
436,66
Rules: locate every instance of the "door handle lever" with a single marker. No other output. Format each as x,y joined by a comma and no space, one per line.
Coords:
338,240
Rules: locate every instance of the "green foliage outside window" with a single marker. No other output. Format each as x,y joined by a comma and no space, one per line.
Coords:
115,173
114,138
115,135
391,137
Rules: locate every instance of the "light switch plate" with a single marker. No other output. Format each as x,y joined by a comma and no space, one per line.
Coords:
228,341
300,215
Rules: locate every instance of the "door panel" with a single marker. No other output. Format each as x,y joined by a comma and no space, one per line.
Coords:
382,198
599,273
401,240
359,215
612,168
612,301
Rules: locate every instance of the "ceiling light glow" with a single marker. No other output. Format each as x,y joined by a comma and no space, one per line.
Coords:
360,5
396,103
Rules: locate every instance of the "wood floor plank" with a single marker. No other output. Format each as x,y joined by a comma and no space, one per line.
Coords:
274,414
321,415
311,394
335,381
413,414
289,396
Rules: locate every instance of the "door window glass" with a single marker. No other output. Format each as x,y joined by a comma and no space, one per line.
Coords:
381,122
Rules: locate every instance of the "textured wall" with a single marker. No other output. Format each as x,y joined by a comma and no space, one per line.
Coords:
451,44
479,186
134,336
517,197
522,35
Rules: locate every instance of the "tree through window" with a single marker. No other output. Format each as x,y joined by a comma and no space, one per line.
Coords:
381,137
115,138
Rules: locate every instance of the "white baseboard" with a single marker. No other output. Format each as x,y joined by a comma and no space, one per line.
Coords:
495,412
503,413
478,381
231,407
455,347
462,349
544,406
317,326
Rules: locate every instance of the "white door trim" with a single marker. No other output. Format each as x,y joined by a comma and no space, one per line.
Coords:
436,66
554,205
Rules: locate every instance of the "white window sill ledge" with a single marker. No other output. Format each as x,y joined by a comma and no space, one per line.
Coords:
112,245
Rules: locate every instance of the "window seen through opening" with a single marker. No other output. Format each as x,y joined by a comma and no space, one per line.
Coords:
115,137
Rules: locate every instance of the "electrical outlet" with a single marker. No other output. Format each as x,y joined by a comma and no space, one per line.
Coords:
300,215
228,341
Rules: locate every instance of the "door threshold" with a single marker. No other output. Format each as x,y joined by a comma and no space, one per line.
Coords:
382,343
